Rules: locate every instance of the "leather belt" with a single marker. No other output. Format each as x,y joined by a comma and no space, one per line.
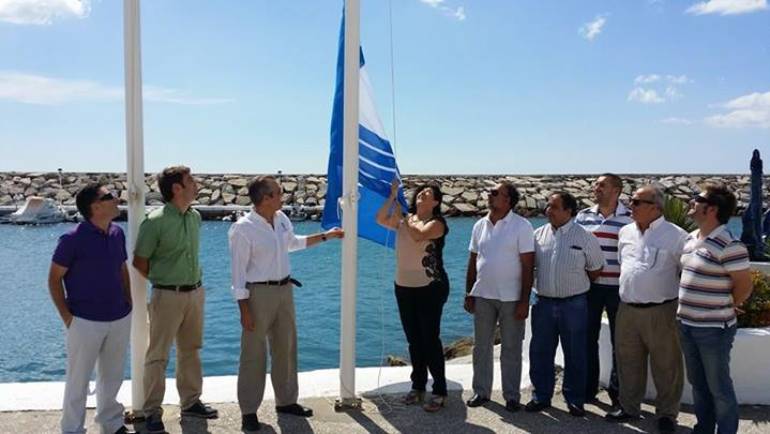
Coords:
647,305
284,281
179,288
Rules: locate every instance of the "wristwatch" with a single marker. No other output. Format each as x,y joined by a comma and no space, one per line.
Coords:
323,237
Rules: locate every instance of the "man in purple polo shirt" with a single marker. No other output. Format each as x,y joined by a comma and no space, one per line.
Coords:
89,286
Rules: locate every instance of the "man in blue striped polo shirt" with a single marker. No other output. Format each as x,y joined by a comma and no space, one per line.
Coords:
715,281
604,220
567,259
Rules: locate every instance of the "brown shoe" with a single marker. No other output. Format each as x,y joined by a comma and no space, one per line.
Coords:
413,397
434,404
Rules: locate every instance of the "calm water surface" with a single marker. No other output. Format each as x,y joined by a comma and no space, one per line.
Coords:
32,339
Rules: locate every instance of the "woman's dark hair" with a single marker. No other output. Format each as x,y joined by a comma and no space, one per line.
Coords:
170,176
85,197
436,195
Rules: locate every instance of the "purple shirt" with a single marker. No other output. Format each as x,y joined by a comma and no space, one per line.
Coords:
93,282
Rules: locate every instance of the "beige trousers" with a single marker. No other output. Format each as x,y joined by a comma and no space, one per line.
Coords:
174,316
642,334
272,309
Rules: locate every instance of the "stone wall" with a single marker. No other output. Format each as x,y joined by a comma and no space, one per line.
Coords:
463,195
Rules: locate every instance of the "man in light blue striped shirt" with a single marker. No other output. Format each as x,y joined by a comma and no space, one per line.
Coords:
604,221
567,259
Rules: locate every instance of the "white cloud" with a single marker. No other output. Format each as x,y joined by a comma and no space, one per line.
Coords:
727,7
42,12
457,13
747,111
657,88
677,121
41,90
645,79
592,29
645,96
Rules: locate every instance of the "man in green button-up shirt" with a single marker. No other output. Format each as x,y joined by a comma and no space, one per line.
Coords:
166,253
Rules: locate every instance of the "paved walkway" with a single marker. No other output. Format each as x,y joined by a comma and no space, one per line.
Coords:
383,414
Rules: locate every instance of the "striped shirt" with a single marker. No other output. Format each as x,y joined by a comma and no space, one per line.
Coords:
562,258
606,231
705,289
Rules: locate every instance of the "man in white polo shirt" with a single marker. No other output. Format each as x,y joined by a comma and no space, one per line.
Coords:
498,284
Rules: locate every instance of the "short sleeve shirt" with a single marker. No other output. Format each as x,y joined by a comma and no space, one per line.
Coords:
562,257
705,289
93,282
498,248
170,241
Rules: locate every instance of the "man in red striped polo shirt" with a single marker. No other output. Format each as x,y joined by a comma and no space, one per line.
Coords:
604,220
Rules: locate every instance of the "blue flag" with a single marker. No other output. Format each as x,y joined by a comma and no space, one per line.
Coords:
376,163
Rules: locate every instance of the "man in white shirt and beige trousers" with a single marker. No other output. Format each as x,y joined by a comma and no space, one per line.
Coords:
260,243
649,252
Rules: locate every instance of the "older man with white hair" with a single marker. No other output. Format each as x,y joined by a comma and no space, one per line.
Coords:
649,251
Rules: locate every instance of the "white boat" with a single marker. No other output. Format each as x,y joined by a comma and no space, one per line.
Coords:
37,211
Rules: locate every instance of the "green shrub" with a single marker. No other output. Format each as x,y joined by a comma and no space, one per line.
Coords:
675,211
757,307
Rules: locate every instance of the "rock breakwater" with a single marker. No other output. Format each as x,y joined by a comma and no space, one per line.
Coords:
463,194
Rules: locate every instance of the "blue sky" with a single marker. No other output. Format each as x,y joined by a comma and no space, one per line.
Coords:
493,86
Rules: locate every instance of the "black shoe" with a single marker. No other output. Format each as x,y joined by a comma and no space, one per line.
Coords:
124,430
200,410
535,406
666,425
476,401
295,409
512,406
577,411
154,425
619,415
249,422
593,401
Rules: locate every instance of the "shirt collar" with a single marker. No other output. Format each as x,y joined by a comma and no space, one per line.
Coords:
657,222
508,217
619,210
93,228
256,218
716,232
171,208
563,228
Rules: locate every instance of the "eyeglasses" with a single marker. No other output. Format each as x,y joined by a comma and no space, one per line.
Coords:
637,202
107,197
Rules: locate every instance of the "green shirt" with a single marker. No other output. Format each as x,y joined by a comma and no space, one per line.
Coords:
170,241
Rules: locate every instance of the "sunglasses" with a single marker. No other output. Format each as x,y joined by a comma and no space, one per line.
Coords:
107,197
637,202
702,199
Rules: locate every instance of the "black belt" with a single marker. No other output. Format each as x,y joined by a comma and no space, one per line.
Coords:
179,288
646,305
281,282
562,298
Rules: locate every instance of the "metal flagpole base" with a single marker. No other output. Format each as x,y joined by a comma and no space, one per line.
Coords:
133,417
347,404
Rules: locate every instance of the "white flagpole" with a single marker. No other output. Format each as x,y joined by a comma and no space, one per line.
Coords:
349,209
135,181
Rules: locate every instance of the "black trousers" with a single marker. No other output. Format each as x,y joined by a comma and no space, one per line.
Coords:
600,298
420,309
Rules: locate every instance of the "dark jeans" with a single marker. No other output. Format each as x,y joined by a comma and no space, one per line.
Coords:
420,310
707,357
601,298
554,320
